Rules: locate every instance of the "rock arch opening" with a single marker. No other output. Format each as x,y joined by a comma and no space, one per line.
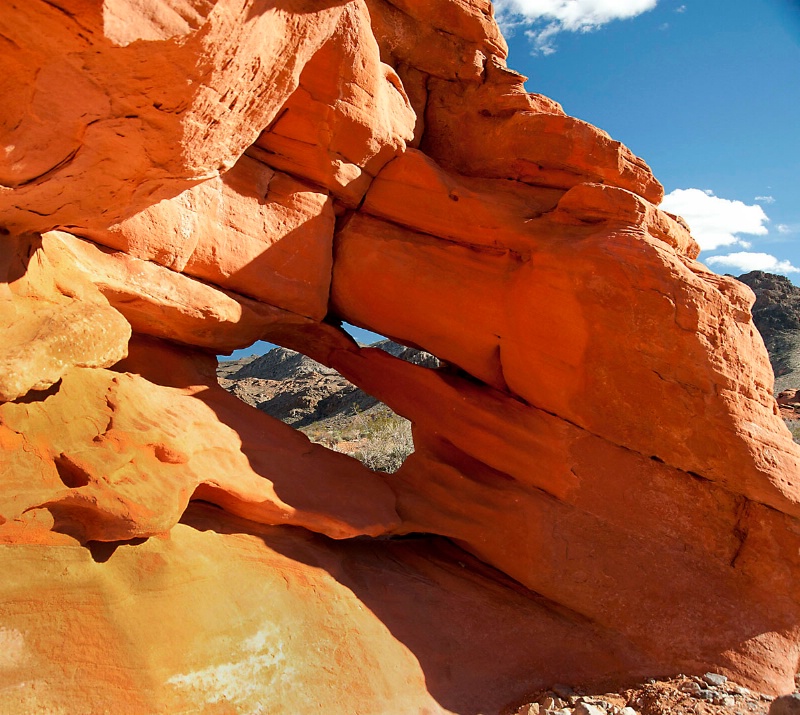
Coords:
323,404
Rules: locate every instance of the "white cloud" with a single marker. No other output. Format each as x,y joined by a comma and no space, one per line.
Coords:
765,199
714,221
745,261
786,228
546,18
682,8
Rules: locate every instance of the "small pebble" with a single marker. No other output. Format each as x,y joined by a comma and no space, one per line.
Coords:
593,700
690,687
706,695
587,709
715,679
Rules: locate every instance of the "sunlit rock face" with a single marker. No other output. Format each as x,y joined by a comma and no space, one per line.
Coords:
601,489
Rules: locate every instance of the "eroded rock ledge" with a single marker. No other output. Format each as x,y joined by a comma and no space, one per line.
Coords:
601,489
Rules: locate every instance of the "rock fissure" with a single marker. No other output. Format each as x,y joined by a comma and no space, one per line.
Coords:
477,247
262,155
61,9
740,531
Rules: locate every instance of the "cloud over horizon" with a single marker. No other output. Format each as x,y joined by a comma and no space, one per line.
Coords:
715,221
746,261
547,18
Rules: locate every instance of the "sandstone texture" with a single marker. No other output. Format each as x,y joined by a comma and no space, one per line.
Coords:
602,488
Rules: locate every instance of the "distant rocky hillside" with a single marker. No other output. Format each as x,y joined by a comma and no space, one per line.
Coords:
319,401
291,387
776,314
300,391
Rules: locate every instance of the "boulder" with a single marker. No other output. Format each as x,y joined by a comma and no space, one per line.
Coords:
52,318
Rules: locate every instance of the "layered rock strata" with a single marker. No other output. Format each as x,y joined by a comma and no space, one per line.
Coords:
602,486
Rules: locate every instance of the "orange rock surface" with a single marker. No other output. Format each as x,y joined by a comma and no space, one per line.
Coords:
602,487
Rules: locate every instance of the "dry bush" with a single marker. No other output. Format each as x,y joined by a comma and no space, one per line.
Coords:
387,441
380,439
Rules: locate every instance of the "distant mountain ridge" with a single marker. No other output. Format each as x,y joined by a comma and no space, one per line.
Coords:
300,391
776,314
275,364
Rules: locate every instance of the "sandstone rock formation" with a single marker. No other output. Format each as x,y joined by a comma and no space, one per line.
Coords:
213,172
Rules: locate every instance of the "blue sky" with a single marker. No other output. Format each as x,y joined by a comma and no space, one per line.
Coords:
706,91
